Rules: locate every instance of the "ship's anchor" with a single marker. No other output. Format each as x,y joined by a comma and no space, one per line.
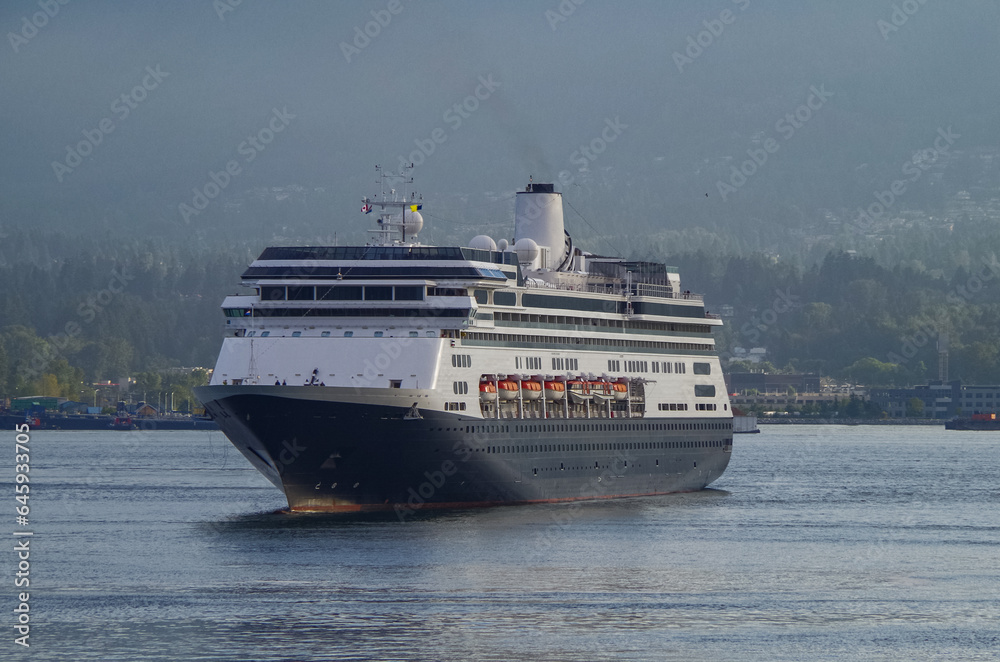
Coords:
413,413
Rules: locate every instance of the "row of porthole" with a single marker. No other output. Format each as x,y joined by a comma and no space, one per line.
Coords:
563,448
599,427
347,334
576,427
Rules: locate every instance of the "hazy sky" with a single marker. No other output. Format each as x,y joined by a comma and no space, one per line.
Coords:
297,92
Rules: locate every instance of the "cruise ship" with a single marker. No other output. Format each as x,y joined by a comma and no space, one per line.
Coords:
398,376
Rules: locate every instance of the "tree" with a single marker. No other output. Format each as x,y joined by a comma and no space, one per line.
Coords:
872,372
855,407
915,408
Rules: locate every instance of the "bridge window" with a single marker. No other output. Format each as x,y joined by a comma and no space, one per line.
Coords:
339,293
504,298
409,293
268,293
301,293
378,293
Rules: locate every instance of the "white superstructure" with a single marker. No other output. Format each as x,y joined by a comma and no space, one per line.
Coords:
454,324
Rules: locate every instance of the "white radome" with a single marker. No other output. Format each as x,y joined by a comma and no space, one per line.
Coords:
502,245
526,249
483,242
413,223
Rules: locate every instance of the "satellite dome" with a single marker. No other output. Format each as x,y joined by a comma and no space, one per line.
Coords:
484,243
502,245
413,223
526,249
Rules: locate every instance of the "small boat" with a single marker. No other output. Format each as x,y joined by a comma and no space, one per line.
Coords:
487,392
531,390
123,423
602,399
508,389
744,423
599,388
978,421
619,390
555,391
579,391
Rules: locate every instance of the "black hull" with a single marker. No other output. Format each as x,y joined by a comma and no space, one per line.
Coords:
969,424
329,455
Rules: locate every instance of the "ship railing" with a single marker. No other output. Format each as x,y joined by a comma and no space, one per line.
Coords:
636,289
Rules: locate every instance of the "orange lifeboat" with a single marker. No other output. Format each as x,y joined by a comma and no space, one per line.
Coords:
508,389
555,390
531,390
487,392
619,390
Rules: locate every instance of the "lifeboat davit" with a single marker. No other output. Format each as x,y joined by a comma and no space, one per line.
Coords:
487,392
531,390
619,390
579,391
599,388
555,390
508,389
601,392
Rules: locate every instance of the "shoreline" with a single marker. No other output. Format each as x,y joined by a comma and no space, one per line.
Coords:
848,421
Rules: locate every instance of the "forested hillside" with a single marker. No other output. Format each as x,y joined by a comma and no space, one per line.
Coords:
82,309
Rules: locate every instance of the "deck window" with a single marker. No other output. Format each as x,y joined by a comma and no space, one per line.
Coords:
304,293
378,293
268,293
409,293
339,293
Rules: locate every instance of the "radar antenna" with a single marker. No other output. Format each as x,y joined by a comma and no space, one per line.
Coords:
387,202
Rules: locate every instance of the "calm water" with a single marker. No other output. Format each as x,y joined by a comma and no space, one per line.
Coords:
818,543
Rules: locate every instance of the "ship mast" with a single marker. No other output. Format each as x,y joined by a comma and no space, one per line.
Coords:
387,202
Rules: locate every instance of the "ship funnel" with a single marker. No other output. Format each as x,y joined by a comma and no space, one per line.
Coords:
538,215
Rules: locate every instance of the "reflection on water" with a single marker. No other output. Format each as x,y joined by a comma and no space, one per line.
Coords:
819,542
